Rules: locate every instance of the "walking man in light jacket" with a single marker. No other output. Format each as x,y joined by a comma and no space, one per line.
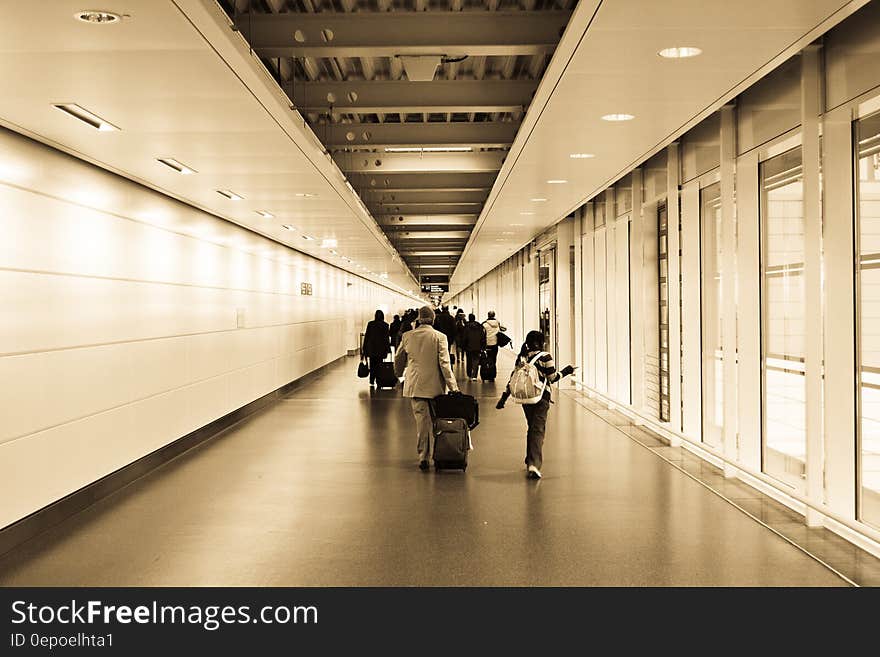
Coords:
424,354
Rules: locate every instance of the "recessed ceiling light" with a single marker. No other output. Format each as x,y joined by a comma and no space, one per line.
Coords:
557,182
264,214
288,227
581,156
308,237
97,17
618,117
84,115
232,196
680,52
179,167
332,252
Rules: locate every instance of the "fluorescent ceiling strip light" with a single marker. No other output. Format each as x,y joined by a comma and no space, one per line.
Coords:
557,182
618,117
232,196
179,167
581,156
328,243
84,115
307,195
429,149
264,214
288,227
308,237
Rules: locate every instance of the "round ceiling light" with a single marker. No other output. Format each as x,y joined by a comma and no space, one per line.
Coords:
680,52
618,117
97,17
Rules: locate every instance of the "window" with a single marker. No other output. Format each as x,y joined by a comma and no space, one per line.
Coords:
867,136
712,303
783,388
663,300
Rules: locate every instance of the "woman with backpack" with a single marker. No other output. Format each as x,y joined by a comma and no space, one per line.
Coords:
529,385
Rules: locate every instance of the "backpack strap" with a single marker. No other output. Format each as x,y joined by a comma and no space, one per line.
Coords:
537,356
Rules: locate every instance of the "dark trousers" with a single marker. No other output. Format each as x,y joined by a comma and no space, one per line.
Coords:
492,353
536,416
473,364
374,366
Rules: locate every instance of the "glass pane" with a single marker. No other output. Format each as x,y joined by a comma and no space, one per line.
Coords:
712,303
868,132
782,317
663,303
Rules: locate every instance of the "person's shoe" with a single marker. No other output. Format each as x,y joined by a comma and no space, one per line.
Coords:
534,473
423,465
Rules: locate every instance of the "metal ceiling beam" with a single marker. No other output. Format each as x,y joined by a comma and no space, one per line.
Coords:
380,197
448,180
415,162
434,235
404,253
484,134
425,208
426,219
374,97
386,34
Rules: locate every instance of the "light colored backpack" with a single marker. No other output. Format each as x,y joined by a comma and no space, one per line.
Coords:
526,386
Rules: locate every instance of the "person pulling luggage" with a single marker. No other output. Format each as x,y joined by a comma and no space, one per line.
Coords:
424,357
377,343
529,385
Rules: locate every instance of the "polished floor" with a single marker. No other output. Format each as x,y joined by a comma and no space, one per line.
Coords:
323,489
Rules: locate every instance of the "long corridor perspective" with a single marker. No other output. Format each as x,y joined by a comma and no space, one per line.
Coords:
218,217
322,489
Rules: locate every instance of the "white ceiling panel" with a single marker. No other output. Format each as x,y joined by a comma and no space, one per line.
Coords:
608,62
180,83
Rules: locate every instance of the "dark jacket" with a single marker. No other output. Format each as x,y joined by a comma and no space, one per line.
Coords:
474,337
394,329
444,323
460,322
377,342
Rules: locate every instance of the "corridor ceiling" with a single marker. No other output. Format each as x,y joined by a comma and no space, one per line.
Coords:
293,106
417,101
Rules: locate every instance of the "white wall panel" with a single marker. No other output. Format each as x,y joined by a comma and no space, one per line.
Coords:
124,333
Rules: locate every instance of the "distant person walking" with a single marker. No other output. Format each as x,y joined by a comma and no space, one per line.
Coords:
474,341
460,321
532,354
493,327
424,356
377,343
394,330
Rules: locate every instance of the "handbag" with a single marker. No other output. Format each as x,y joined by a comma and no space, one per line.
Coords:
363,370
503,339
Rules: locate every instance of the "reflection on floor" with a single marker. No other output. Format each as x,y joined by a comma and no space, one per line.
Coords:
323,489
856,565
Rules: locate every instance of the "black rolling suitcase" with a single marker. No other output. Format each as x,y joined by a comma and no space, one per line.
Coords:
385,376
451,443
457,405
